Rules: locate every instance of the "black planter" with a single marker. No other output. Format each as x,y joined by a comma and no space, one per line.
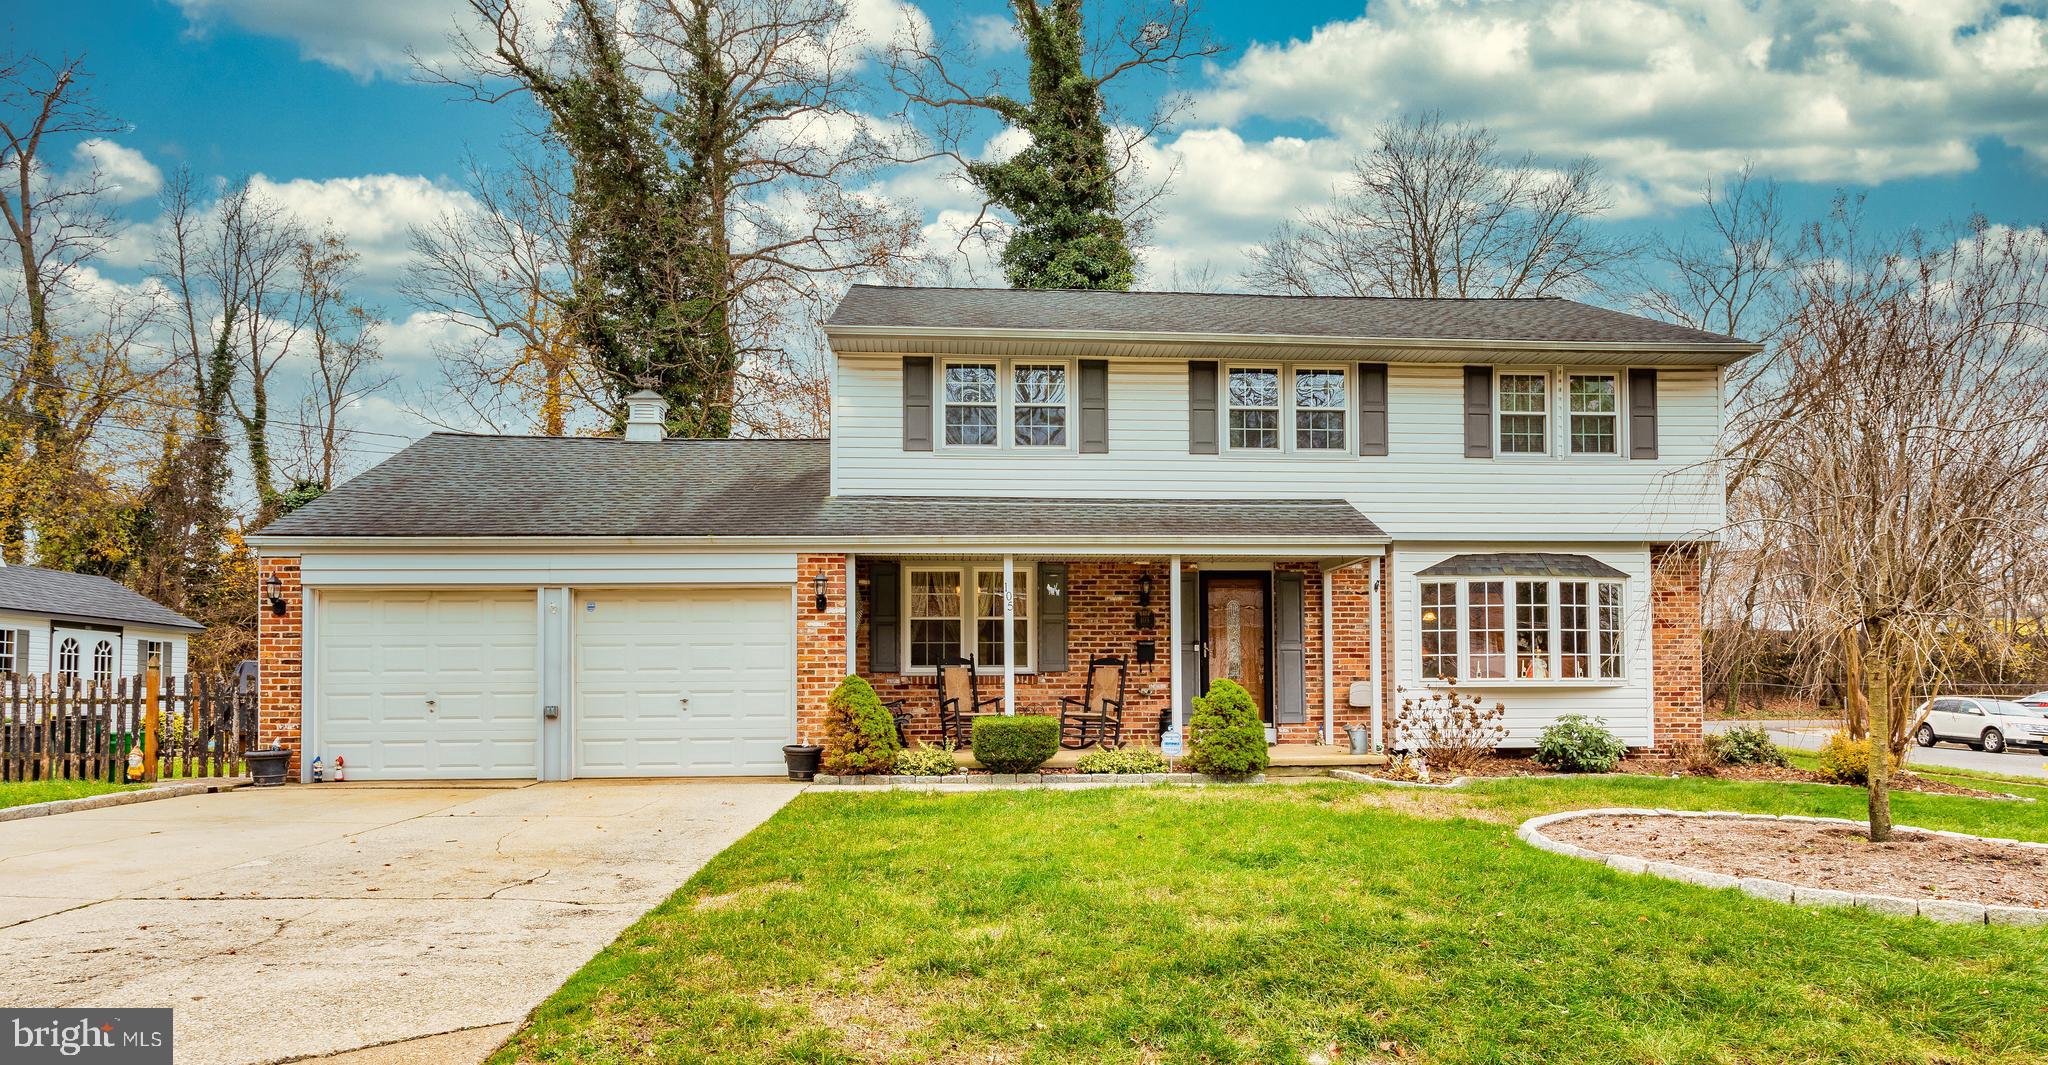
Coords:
267,767
802,760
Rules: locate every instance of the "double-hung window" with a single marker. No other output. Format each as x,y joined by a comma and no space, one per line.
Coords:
1006,404
1594,409
1321,409
946,620
1299,408
971,407
1039,404
1505,630
1524,419
1254,394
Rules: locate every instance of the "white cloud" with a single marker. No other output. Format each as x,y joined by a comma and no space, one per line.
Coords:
363,37
376,212
126,173
1665,95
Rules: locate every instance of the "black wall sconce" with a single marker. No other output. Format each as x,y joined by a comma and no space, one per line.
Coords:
273,592
1144,589
818,587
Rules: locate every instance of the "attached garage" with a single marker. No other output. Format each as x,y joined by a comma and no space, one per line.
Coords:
429,684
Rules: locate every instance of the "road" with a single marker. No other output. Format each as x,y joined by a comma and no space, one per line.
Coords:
1808,736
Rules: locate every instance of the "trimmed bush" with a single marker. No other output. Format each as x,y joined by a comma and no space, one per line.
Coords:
925,760
860,736
1846,761
1579,744
1015,744
1122,760
1747,745
1225,736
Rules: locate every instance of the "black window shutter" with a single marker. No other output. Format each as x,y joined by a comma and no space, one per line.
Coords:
1290,700
1201,408
1478,412
1190,643
917,403
1051,604
1642,414
885,605
1094,406
1372,408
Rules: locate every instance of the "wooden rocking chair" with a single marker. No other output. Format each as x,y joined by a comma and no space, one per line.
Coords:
960,701
1096,718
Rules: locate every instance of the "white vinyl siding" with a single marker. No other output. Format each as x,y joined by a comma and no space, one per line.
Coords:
1423,489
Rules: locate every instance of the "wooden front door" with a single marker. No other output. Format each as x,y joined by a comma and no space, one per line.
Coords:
1235,612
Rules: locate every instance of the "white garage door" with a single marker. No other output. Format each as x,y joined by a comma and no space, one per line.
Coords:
692,682
428,685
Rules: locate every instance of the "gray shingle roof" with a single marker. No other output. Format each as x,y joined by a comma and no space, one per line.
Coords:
29,589
460,485
1507,321
1523,564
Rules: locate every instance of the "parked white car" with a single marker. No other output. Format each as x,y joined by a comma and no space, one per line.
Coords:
2038,700
1985,724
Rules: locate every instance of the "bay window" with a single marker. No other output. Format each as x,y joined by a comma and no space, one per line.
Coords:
1568,630
946,622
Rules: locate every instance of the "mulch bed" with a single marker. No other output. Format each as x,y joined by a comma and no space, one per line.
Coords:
1819,855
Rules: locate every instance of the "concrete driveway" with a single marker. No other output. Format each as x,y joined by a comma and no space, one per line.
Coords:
290,922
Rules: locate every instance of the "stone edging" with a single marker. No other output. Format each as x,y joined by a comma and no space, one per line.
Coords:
1459,782
117,798
1945,910
962,782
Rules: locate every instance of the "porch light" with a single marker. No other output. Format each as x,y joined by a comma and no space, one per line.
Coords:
273,592
1145,589
818,589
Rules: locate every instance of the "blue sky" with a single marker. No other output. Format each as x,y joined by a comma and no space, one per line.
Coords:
1934,108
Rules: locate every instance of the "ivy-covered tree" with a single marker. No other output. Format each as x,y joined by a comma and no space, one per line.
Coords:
1073,193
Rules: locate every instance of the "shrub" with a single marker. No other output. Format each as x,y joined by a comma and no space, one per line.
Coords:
1846,761
1122,760
1697,757
1579,744
1225,736
925,760
1747,745
1015,744
1451,730
860,736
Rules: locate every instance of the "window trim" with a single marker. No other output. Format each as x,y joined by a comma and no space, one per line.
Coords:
1596,645
1287,409
1006,406
1024,580
1548,375
1620,414
14,657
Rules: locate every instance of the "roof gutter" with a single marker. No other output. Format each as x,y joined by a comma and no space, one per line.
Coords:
1738,348
1348,545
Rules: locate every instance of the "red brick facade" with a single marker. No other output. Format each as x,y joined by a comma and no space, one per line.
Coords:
280,657
1676,681
820,641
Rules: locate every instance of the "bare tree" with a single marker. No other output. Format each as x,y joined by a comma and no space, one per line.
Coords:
1436,210
341,337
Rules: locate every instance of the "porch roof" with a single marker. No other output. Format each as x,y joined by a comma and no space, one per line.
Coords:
1523,564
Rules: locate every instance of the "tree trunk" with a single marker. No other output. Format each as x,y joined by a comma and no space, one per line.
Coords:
1878,705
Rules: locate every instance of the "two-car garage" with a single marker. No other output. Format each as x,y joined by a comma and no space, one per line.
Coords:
444,683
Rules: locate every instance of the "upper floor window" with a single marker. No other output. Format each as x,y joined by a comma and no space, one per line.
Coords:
1524,419
1264,399
1255,409
1509,629
971,404
1320,409
1595,411
1039,392
1026,403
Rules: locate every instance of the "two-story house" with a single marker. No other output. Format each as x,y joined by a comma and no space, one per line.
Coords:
1333,501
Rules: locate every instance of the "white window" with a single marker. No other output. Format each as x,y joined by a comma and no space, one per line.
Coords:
153,654
11,654
1594,401
971,406
1524,413
103,663
945,623
1321,409
1563,630
1039,404
1254,395
67,660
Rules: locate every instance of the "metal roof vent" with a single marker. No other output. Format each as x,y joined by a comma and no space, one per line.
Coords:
646,416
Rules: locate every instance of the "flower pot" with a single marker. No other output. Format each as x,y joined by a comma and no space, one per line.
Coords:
802,760
1361,739
268,767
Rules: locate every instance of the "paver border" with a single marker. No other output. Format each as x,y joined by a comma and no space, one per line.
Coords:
1947,911
118,798
1461,781
964,783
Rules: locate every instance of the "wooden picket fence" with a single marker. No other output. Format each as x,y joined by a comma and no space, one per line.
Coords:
85,731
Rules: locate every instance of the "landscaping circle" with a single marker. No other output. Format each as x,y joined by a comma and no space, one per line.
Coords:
1815,861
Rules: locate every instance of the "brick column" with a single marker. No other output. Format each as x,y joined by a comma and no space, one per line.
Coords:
1677,679
820,640
1351,635
280,658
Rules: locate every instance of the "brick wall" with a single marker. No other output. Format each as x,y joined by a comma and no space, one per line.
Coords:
1351,629
1676,683
820,641
280,658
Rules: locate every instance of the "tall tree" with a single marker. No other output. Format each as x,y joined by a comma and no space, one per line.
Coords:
1434,210
1071,192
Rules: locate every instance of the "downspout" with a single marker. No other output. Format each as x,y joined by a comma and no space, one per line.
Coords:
1174,636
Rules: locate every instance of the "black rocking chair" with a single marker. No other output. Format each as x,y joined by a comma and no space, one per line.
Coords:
901,716
960,701
1097,717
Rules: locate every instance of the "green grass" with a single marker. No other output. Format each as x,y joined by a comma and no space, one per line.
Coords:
1261,924
26,792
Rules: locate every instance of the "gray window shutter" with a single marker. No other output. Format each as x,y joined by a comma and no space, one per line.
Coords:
1372,408
1642,414
20,662
917,403
1190,642
885,607
1478,412
1094,406
1290,701
1201,408
1051,604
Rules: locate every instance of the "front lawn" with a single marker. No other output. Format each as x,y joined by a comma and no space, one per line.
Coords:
23,793
1265,924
